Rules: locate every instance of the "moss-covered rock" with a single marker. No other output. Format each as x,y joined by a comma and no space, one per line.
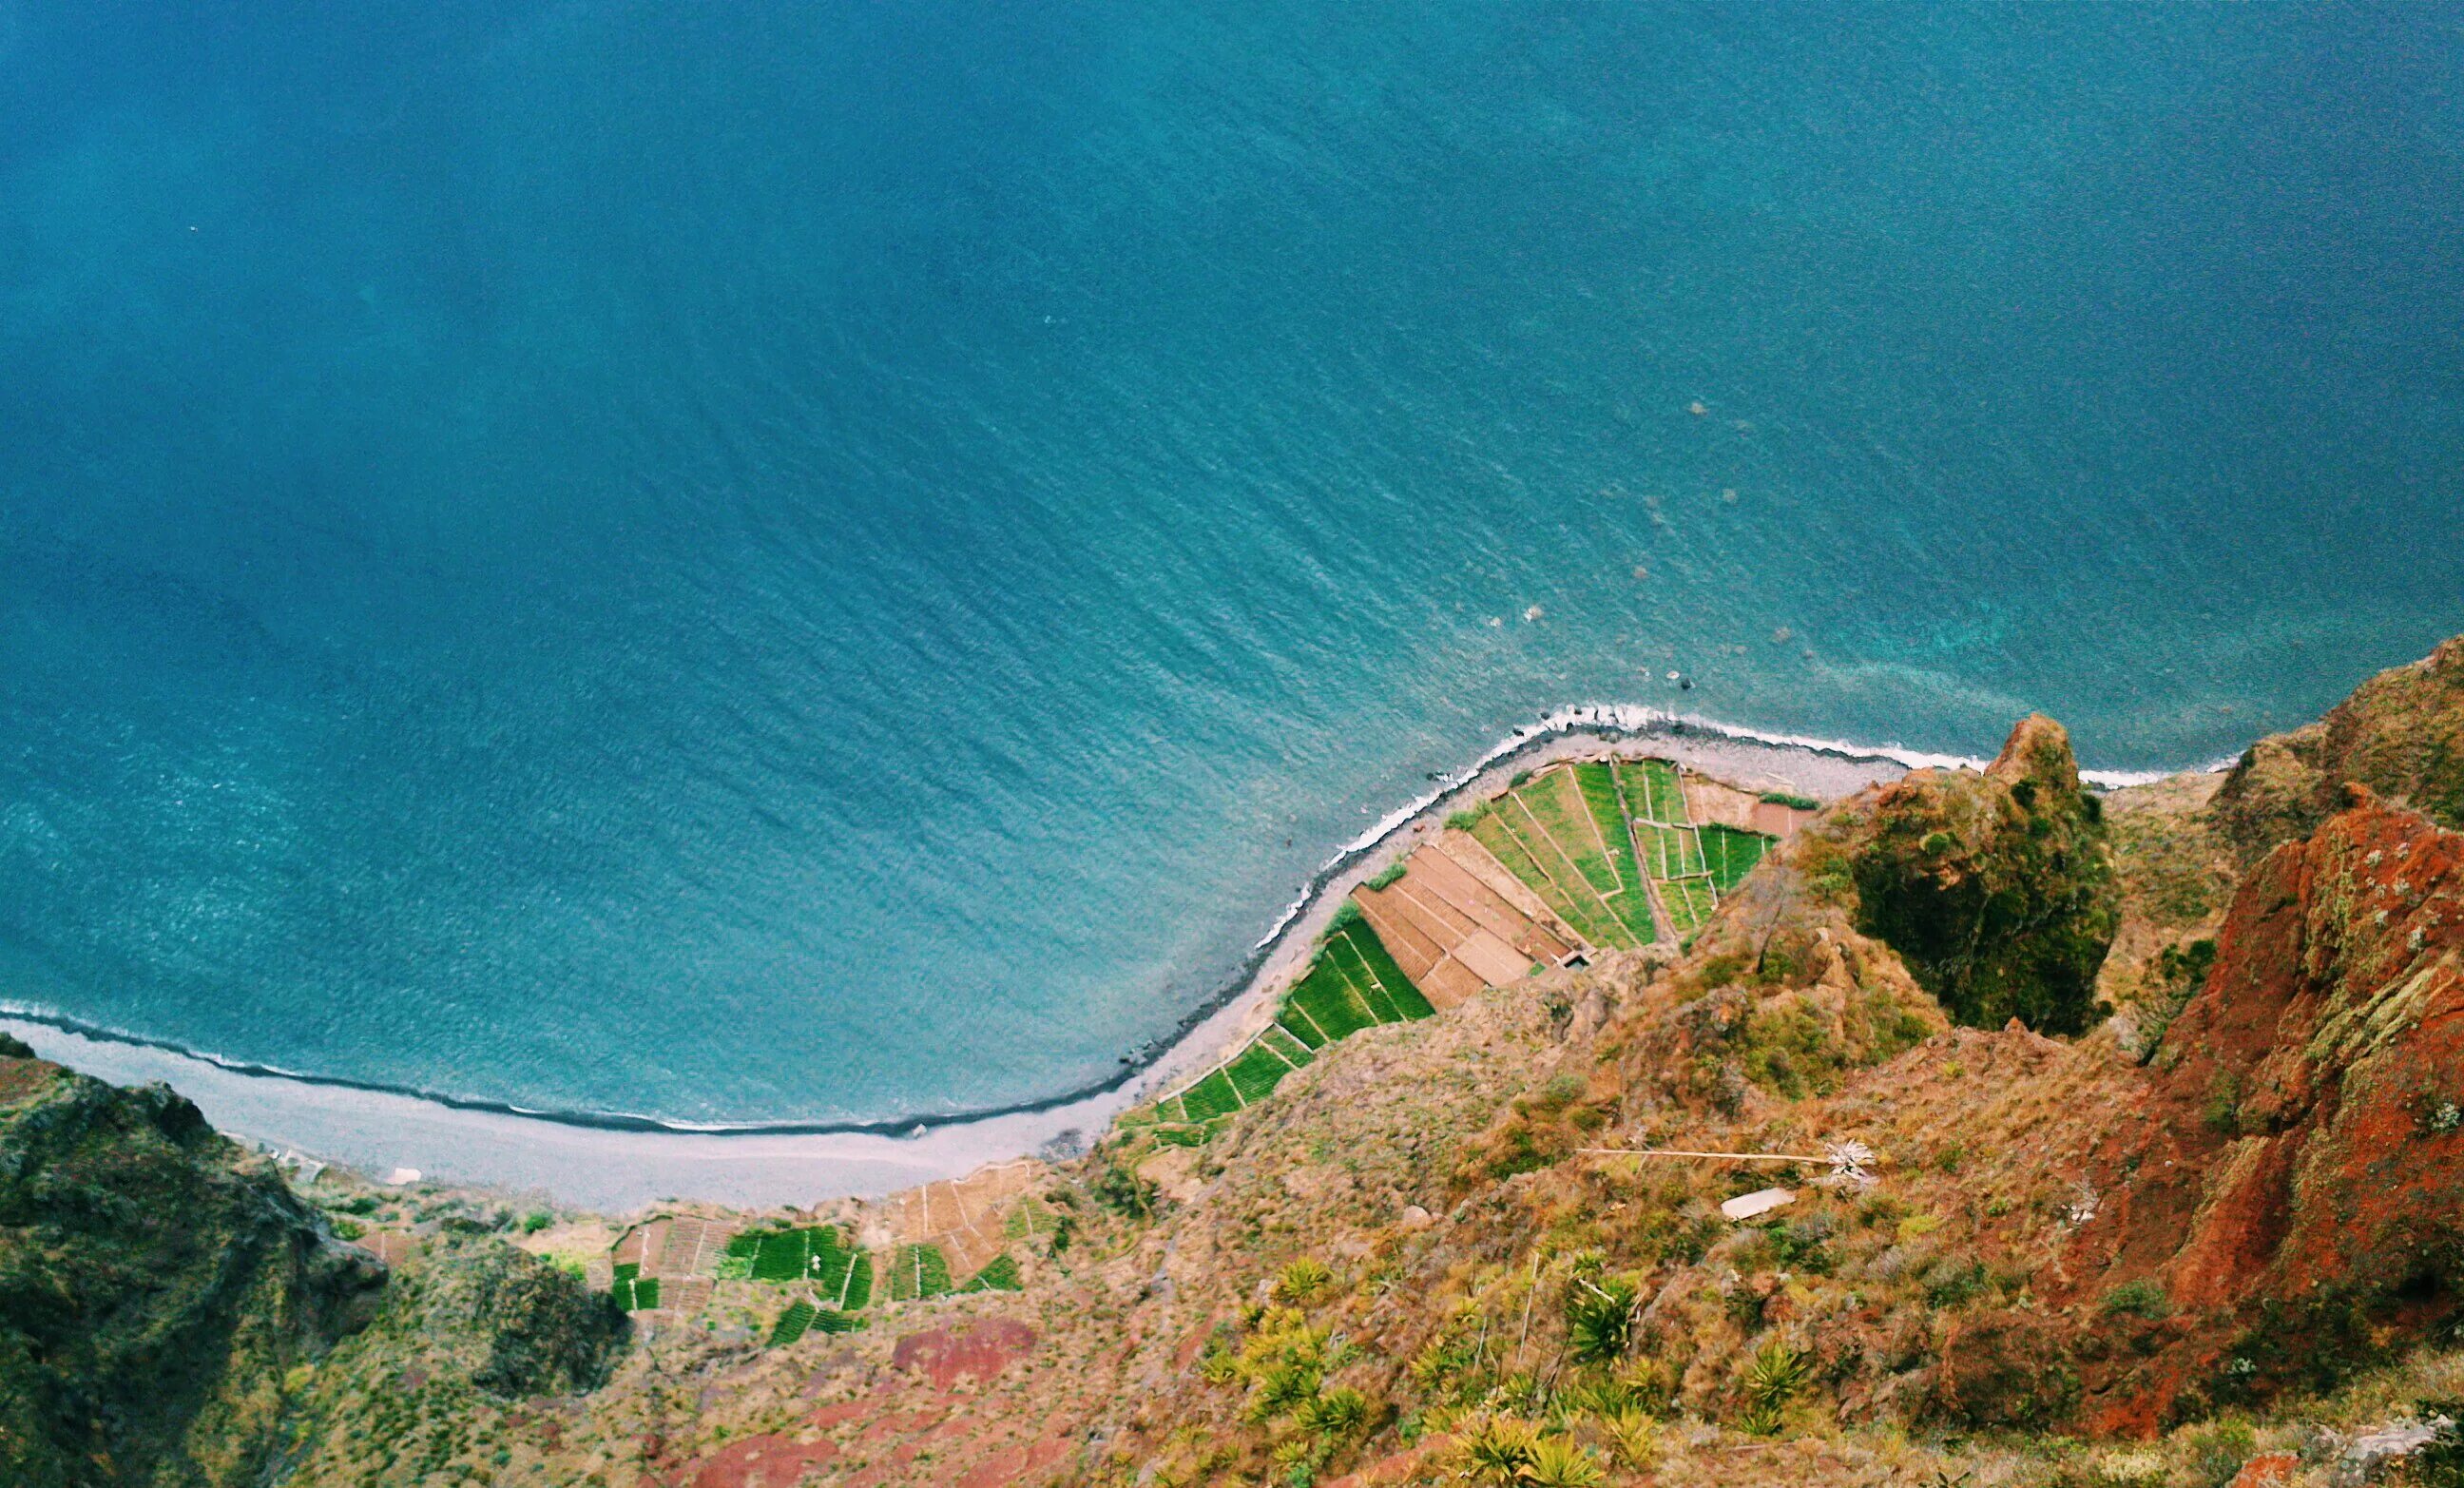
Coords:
157,1285
1995,889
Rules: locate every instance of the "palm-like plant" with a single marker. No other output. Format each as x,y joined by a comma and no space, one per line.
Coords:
1303,1280
1336,1413
1495,1451
1559,1463
1633,1438
1599,1318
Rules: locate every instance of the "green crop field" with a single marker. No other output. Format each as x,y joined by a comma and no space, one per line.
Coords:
1000,1274
830,1321
1690,901
791,1323
1379,965
1256,1071
1327,1005
1353,984
857,1290
1731,854
1280,1040
919,1272
1664,794
1550,877
1210,1097
635,1293
818,1255
1552,834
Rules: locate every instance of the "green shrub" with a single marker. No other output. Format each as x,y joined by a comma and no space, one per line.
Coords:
1388,877
2142,1297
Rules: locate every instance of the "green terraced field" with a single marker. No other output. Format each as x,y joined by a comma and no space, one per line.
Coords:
1000,1274
1329,1007
919,1272
857,1290
635,1293
1210,1097
1731,854
1664,794
792,1324
1690,902
1256,1071
1353,984
818,1254
830,1321
1550,877
1281,1040
1562,833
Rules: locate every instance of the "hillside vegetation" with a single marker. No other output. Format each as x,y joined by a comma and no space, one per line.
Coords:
2215,1236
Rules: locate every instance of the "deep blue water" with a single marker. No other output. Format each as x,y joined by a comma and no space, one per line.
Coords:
807,559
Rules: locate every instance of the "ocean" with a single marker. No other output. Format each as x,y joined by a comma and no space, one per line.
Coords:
817,562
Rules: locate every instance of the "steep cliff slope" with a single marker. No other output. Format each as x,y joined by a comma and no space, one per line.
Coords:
2401,733
157,1287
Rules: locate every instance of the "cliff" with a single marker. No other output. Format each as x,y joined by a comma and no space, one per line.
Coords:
2401,733
158,1285
2194,1241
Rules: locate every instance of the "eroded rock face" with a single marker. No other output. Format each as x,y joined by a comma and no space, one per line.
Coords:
1995,889
157,1282
2297,1201
2401,733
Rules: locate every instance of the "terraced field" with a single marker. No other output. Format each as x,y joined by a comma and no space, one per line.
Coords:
1598,844
838,1272
917,1272
1353,985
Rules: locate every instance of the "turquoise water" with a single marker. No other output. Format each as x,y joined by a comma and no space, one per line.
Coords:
814,560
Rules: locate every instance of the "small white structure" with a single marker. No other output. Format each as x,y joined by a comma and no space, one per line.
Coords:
1761,1201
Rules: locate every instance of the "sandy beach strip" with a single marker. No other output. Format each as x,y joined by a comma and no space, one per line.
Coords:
619,1172
612,1171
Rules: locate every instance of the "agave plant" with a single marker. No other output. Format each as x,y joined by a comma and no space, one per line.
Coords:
1339,1413
1599,1318
1496,1449
1775,1373
1304,1280
1633,1438
1559,1463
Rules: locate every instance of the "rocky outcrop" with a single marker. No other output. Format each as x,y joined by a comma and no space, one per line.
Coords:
157,1285
1995,889
2401,733
2295,1204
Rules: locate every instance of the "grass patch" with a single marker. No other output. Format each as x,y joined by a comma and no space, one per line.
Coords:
1388,877
1801,803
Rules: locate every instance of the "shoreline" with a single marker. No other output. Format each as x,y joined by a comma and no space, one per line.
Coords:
618,1162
